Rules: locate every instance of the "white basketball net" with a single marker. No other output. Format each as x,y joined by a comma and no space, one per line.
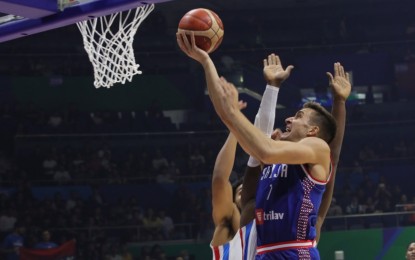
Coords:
108,40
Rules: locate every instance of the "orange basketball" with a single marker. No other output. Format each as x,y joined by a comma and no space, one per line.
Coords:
207,27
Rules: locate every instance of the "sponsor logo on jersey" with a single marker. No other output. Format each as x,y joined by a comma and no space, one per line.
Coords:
261,216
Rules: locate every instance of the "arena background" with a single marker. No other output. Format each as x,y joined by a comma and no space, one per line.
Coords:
142,151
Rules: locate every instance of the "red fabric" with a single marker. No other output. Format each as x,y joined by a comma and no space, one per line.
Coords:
216,253
66,250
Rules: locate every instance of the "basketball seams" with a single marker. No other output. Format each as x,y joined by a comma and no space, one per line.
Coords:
212,28
195,20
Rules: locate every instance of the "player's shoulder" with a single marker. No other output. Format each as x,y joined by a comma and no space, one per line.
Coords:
315,142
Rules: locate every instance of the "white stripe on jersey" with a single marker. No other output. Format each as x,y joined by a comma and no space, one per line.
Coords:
250,237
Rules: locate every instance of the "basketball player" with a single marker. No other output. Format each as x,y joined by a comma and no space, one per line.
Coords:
298,167
340,88
410,252
226,242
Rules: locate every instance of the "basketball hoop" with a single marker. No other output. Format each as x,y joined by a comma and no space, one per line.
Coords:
108,40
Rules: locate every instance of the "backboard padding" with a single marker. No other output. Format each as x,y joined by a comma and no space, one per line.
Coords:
26,26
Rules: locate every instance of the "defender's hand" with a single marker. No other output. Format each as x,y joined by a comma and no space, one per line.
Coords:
274,73
242,104
340,84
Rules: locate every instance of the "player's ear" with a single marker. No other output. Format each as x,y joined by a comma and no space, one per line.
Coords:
313,130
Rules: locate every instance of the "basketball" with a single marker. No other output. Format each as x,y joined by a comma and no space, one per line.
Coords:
207,28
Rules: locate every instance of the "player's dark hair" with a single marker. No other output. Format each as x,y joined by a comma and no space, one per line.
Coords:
235,185
324,120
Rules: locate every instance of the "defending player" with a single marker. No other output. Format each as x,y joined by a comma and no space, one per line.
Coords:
340,87
226,242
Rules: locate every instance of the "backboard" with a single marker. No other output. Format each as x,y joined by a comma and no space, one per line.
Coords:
25,17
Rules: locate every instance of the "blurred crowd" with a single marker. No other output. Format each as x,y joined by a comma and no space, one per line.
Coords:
312,29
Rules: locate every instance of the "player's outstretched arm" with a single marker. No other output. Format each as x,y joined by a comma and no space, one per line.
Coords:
222,198
274,75
341,87
223,206
211,74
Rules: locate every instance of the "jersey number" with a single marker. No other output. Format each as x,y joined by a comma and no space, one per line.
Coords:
270,190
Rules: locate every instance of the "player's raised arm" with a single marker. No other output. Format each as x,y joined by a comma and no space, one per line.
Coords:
222,196
211,74
340,87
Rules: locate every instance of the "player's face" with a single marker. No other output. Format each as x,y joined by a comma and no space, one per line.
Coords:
238,196
297,127
410,253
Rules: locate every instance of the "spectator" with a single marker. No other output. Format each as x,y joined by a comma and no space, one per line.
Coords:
61,175
126,255
382,193
163,176
7,221
354,207
159,161
370,206
55,120
410,251
49,164
167,225
411,207
197,160
151,222
46,243
71,202
385,205
96,197
114,254
335,209
13,242
184,255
